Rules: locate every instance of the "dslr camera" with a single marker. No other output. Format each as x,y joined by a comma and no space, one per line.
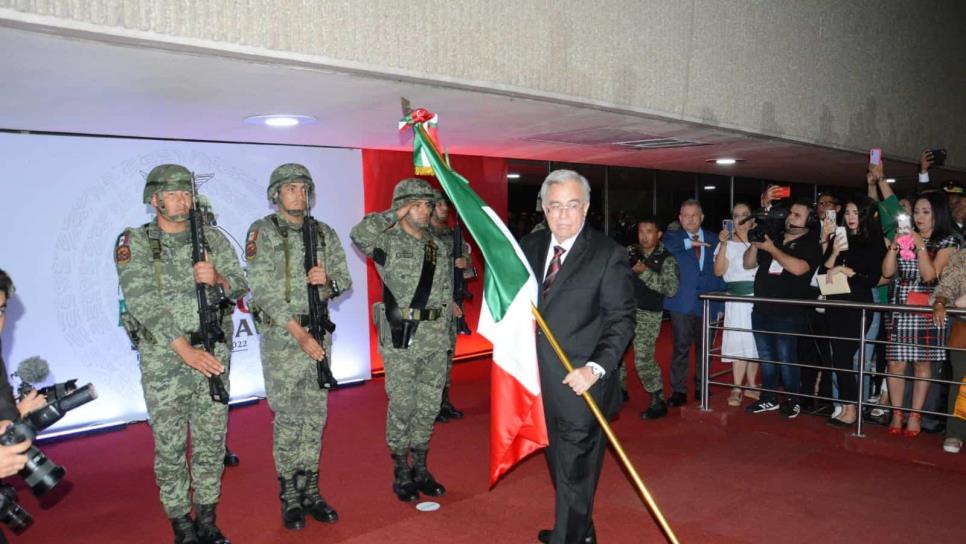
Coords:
40,473
770,222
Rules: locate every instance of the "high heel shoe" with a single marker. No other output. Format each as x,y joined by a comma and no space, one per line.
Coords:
895,429
909,433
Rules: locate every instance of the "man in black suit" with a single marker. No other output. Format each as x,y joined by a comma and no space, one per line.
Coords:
587,299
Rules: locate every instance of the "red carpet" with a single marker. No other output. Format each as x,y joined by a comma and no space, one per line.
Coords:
722,476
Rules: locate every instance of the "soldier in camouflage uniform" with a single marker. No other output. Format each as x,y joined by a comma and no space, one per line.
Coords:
657,277
275,253
158,280
442,230
413,321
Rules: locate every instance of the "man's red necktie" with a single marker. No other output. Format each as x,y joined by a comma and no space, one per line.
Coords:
558,251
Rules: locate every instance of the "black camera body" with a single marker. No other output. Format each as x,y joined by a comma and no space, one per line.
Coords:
770,222
40,473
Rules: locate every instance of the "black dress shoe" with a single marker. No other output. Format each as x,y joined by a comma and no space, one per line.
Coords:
544,537
677,399
882,419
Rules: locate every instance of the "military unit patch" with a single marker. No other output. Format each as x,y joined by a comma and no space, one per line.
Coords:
250,247
122,251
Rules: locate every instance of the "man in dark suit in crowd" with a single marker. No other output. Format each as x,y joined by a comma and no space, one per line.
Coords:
587,299
693,247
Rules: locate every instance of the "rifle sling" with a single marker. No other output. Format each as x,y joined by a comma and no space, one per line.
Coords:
403,330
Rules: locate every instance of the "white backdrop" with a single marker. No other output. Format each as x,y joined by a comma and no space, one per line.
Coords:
65,200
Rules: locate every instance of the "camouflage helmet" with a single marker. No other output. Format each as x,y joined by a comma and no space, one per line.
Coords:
411,189
167,177
289,172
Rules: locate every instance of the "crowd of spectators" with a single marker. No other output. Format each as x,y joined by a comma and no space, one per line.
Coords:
862,247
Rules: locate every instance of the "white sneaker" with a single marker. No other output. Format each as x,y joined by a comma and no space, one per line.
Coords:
837,411
952,445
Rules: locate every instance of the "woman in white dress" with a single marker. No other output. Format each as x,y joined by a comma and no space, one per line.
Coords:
737,346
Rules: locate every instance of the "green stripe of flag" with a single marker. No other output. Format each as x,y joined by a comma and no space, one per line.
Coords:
505,272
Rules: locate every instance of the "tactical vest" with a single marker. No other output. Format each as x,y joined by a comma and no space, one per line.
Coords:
647,298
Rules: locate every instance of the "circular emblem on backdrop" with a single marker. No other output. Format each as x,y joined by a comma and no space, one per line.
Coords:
83,271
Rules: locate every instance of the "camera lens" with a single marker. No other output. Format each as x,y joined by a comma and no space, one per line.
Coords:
40,473
12,514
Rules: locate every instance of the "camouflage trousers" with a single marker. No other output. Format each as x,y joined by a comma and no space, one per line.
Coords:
299,404
178,402
415,378
646,330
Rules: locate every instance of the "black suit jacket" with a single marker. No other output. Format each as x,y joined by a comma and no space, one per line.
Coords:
590,309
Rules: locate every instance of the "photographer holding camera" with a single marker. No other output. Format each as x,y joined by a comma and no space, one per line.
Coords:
786,256
12,457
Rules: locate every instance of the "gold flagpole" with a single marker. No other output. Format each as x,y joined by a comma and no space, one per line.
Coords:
625,461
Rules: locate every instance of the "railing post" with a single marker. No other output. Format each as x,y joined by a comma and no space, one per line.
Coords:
705,351
861,376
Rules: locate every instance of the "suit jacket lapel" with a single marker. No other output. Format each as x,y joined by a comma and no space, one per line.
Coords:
571,263
536,253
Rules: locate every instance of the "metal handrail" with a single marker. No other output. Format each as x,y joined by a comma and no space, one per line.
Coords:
874,306
865,308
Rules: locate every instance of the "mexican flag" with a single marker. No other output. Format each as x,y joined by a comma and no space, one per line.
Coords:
517,426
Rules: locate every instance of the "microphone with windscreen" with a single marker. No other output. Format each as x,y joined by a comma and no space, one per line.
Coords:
35,370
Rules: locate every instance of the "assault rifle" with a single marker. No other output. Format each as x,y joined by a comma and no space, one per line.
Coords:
211,299
319,322
460,292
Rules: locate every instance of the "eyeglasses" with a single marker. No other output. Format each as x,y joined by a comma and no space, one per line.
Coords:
557,208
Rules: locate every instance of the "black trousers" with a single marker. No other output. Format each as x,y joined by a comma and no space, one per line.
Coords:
845,322
817,351
686,331
575,456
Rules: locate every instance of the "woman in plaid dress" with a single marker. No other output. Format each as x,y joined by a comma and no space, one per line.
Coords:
917,270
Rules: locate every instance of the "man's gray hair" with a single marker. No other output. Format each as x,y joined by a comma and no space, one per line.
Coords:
692,202
563,176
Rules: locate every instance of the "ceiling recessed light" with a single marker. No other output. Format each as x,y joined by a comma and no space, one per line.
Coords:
513,176
281,120
710,187
890,180
725,162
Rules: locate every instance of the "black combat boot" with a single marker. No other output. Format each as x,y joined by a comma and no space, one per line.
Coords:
423,479
231,458
184,530
293,517
446,409
205,528
312,501
658,407
403,485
